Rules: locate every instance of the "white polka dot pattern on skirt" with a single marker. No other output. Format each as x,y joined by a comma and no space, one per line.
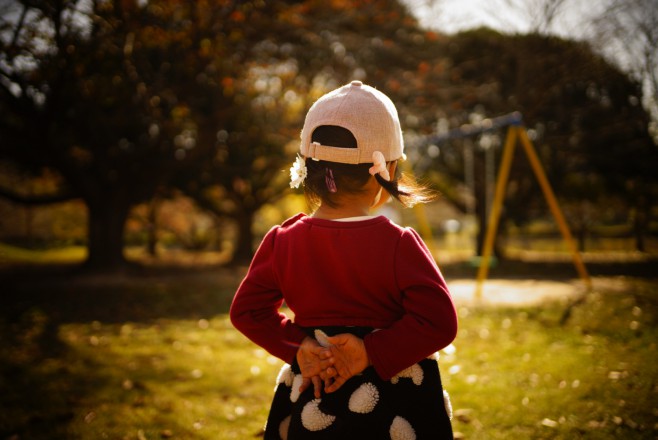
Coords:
401,429
313,419
364,399
296,383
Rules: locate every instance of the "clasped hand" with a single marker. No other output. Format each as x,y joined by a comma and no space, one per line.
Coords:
331,366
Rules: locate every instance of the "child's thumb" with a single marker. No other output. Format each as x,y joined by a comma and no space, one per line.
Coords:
338,339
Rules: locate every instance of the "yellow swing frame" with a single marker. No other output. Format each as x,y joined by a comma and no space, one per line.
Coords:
514,133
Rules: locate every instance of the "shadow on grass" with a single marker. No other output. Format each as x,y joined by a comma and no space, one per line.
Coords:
66,295
53,389
46,381
561,269
43,378
39,389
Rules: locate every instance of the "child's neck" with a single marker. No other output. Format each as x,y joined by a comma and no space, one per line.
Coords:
329,213
353,205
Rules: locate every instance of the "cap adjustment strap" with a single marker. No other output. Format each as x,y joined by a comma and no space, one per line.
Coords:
317,151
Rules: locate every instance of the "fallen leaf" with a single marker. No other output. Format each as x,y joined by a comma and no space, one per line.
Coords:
549,423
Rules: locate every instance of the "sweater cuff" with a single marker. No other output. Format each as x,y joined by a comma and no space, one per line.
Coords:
293,341
378,364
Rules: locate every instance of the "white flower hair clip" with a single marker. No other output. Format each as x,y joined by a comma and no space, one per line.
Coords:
298,172
379,166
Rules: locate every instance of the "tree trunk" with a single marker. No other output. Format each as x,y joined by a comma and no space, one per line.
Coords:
640,225
107,220
152,228
582,238
245,239
218,224
640,245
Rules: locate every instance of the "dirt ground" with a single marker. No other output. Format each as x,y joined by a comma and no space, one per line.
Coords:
520,292
514,292
534,280
529,293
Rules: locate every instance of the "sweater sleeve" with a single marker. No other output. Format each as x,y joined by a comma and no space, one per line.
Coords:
429,322
255,307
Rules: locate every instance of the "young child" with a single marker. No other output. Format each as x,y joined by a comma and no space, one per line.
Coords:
371,307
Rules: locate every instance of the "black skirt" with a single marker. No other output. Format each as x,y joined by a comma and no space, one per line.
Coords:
410,406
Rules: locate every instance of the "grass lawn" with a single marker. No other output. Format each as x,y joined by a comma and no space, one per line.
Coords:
519,374
154,356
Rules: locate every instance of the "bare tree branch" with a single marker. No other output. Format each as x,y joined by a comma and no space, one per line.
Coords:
627,31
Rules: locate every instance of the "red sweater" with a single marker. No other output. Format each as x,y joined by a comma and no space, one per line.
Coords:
370,273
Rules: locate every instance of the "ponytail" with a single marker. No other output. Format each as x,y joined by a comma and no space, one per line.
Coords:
407,190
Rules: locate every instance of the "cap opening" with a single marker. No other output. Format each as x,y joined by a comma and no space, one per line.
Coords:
334,136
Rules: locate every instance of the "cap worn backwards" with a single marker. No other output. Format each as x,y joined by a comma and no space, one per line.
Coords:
363,110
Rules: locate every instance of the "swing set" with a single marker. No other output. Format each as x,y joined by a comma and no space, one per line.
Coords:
516,133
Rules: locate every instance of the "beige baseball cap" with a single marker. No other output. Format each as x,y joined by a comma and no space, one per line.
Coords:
363,110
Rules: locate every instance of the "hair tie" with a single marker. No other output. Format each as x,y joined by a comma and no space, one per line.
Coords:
329,180
379,166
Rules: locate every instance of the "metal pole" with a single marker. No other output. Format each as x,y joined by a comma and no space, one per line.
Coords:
490,177
494,216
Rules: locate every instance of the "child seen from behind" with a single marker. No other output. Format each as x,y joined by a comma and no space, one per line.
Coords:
371,308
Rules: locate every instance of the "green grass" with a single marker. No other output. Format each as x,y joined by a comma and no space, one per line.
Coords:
68,254
155,357
179,378
518,373
185,379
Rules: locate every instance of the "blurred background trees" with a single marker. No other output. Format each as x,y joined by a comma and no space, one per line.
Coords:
120,103
583,113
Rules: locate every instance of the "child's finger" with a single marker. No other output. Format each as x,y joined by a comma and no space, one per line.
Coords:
337,383
327,383
317,386
306,382
328,373
321,352
327,363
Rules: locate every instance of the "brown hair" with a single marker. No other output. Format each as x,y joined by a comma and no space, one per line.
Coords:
351,179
